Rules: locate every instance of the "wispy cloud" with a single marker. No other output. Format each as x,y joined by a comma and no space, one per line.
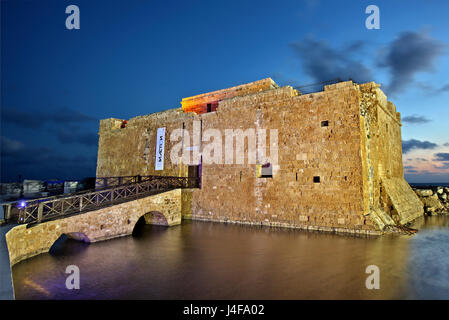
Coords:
404,57
415,119
408,54
408,145
31,161
441,156
10,146
75,136
38,119
322,62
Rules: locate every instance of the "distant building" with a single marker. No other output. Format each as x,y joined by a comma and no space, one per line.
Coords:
29,189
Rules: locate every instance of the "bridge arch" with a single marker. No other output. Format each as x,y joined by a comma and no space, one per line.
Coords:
25,241
59,244
156,217
153,217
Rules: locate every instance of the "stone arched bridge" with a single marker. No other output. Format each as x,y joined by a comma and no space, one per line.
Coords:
108,213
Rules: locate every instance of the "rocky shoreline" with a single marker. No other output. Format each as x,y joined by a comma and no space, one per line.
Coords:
434,198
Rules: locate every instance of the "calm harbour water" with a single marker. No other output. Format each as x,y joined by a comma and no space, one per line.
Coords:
200,260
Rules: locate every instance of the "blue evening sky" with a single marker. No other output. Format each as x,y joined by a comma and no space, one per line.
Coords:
136,57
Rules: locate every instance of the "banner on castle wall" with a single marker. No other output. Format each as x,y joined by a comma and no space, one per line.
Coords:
160,145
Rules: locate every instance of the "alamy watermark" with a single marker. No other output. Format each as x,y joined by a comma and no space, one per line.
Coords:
73,280
373,280
73,20
214,146
373,20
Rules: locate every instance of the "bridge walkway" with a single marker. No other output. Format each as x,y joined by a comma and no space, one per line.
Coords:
109,191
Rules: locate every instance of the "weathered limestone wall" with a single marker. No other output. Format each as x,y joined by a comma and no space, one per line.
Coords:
386,191
357,156
306,149
106,223
131,150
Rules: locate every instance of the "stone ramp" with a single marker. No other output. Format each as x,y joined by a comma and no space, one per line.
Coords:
404,199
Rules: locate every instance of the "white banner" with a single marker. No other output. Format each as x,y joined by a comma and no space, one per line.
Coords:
160,144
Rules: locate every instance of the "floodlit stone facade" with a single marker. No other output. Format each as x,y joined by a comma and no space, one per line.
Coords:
338,166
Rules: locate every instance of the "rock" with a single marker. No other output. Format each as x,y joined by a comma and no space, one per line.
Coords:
440,190
446,189
424,192
443,197
432,204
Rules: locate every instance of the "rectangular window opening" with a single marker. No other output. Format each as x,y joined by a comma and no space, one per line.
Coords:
316,179
264,170
325,123
209,107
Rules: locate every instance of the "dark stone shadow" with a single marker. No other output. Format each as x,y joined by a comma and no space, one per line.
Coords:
66,245
139,227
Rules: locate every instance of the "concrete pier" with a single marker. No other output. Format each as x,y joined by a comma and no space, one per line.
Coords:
6,288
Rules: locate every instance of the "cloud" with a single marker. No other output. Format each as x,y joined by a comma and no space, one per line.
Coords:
408,54
45,163
446,144
410,169
10,146
415,119
408,145
74,136
443,160
322,62
431,89
444,166
42,157
441,156
38,119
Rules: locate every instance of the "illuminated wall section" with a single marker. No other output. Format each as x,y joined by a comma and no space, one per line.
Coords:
208,102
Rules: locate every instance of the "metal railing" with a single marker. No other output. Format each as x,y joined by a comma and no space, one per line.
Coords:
105,182
39,210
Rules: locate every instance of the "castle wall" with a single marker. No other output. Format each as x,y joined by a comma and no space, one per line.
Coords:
233,192
385,188
306,149
131,150
356,155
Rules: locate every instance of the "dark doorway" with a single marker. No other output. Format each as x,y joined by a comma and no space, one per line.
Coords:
194,171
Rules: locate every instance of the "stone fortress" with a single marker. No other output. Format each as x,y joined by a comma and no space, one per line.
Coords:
338,166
